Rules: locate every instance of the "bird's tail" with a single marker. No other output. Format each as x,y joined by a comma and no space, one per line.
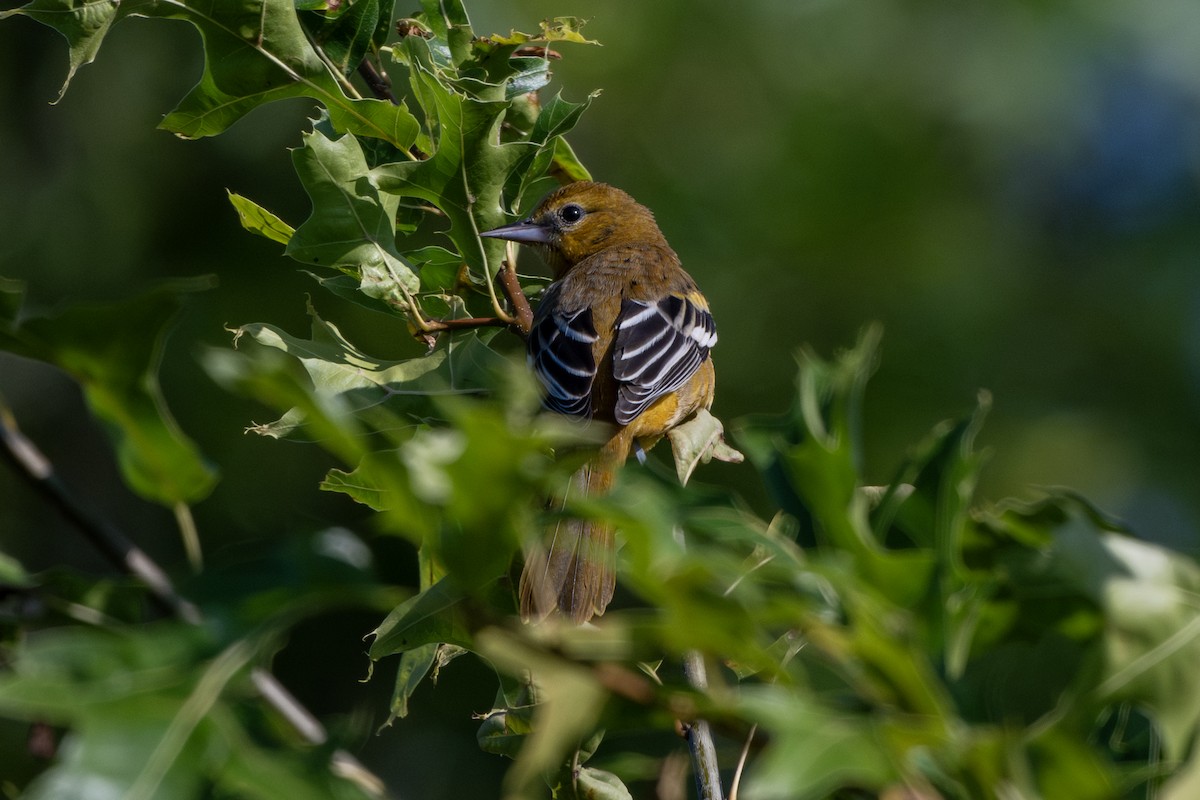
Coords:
574,569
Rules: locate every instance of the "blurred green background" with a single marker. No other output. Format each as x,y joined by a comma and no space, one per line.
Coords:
1012,189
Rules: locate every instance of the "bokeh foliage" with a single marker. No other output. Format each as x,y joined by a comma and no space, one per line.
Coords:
903,635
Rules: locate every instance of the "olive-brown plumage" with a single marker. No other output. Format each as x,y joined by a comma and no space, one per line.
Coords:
622,336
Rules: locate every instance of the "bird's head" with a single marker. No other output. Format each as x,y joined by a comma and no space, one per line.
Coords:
580,220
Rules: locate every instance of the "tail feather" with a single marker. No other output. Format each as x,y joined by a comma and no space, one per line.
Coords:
574,570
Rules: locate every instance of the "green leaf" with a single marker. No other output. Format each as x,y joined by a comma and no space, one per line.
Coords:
567,163
813,750
596,784
814,453
370,388
447,20
558,29
469,169
82,24
148,717
255,52
557,117
114,351
345,33
388,484
359,485
430,617
569,704
465,174
415,664
1185,783
13,575
258,771
257,219
352,223
930,502
508,724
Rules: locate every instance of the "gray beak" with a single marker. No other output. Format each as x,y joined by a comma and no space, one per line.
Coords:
525,231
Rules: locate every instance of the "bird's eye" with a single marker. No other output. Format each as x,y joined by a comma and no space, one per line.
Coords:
571,213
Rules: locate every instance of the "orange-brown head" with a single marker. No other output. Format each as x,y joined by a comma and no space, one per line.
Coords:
580,220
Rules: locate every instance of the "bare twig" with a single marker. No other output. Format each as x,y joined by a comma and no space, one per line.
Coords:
699,735
37,470
516,298
741,764
519,322
379,85
39,473
462,323
189,534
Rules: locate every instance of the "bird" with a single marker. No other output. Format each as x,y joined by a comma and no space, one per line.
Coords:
621,336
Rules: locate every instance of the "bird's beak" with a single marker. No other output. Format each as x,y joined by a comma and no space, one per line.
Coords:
526,231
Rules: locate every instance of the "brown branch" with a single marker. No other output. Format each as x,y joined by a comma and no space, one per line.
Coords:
520,323
516,297
462,323
378,83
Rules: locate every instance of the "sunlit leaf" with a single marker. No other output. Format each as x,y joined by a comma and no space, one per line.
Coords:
255,52
257,219
468,170
352,223
370,387
558,29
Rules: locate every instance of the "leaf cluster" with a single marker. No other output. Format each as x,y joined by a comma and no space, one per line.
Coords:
907,639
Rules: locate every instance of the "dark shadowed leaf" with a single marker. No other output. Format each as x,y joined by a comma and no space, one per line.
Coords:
114,352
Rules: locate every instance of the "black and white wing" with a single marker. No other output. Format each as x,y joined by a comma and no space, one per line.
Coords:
560,352
660,344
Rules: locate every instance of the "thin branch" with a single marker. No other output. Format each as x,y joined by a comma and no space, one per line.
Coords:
741,764
190,536
463,323
496,307
512,290
377,82
37,470
521,321
699,735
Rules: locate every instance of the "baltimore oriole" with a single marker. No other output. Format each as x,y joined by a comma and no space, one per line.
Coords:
621,336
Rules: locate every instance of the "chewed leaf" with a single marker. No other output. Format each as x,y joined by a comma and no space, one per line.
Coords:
559,29
432,616
255,52
351,226
335,365
472,177
83,25
345,31
465,175
369,387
